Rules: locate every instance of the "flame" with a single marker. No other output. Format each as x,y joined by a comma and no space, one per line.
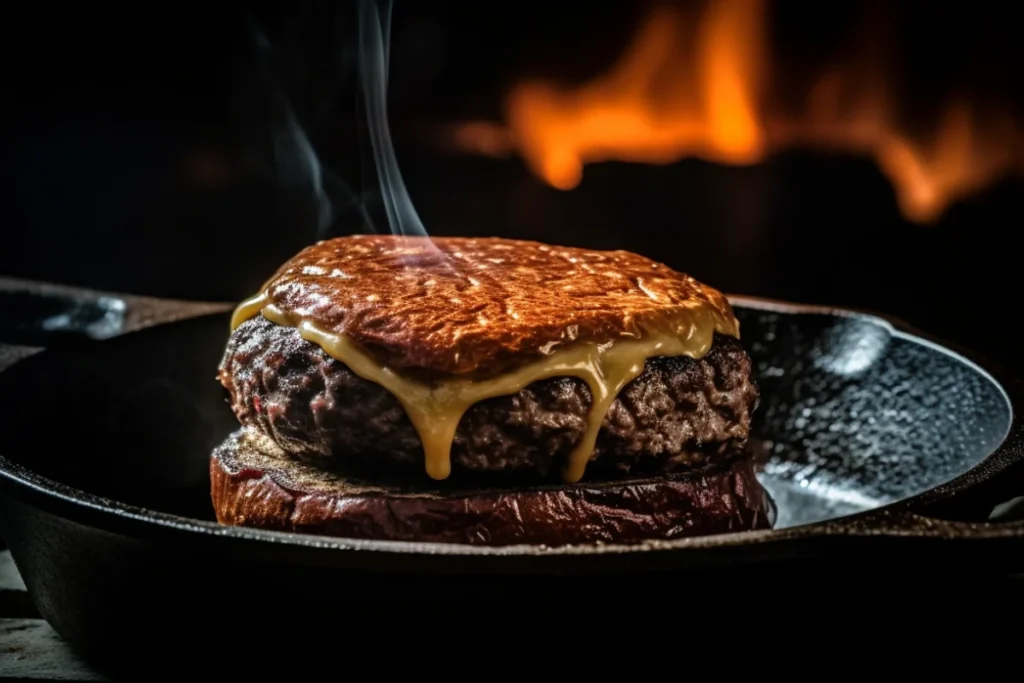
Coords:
700,90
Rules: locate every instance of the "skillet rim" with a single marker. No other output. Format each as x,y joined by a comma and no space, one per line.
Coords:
896,519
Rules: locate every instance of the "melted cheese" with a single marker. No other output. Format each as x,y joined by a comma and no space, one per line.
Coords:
436,409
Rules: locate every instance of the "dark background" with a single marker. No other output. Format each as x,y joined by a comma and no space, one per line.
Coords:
149,149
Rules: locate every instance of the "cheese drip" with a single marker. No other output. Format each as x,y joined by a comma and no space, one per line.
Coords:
436,409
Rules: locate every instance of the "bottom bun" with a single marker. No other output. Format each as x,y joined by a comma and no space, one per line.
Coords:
254,483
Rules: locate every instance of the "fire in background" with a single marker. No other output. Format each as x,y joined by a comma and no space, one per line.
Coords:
703,84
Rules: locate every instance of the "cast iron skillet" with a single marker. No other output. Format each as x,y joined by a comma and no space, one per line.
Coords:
878,439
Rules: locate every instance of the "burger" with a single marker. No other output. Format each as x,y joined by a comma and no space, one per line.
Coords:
486,391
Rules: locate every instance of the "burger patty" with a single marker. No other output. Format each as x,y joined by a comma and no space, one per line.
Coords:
678,414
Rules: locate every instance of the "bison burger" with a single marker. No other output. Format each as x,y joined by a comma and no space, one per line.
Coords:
486,391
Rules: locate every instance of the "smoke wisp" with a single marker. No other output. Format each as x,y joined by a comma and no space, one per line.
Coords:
294,161
310,55
374,48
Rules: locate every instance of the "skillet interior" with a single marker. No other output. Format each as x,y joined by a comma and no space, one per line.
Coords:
854,414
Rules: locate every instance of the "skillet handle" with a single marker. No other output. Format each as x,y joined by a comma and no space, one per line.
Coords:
42,315
13,353
38,315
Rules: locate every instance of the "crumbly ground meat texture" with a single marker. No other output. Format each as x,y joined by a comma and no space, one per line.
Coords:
678,414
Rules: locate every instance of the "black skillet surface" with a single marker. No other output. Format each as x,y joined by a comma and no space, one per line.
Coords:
877,437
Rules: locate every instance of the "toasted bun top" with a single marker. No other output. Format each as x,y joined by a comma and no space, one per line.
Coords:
461,305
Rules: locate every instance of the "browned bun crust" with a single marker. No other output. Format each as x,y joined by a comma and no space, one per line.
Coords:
459,305
255,484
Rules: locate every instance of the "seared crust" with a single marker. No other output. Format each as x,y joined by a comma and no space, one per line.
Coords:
679,413
256,484
460,305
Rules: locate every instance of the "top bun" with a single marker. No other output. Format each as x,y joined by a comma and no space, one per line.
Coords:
455,305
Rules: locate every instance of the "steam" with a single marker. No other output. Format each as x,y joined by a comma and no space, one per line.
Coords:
297,161
294,159
374,47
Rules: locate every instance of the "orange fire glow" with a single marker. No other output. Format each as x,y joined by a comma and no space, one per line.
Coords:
702,89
